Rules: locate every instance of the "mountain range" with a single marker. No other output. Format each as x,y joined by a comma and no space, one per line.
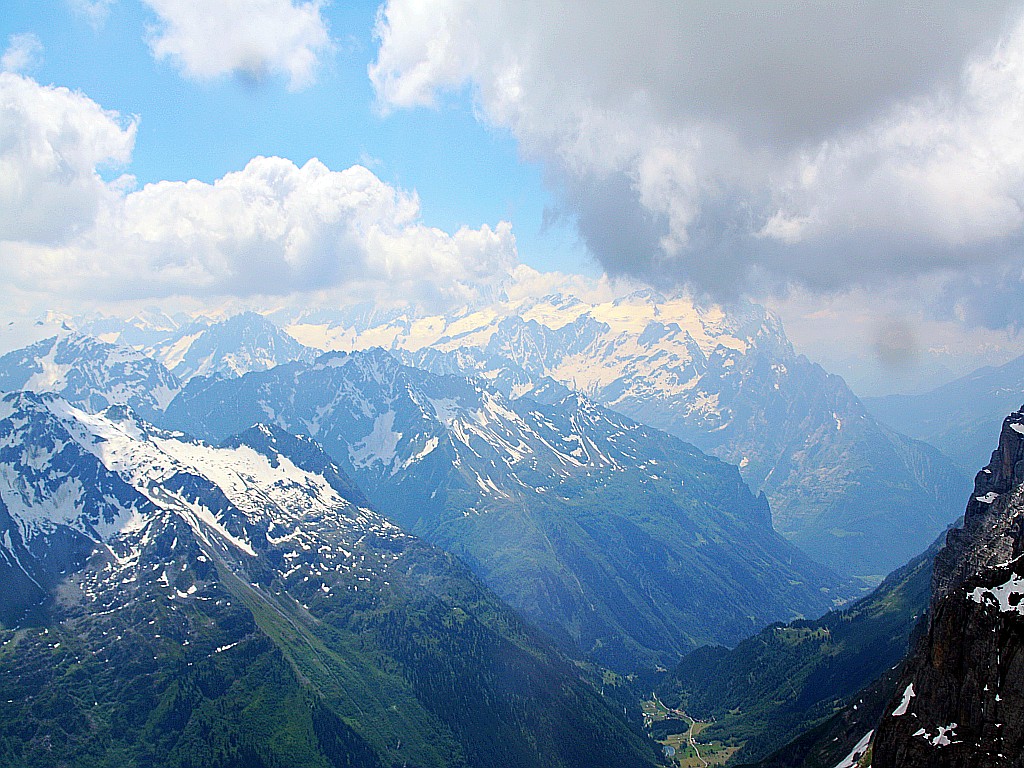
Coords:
725,380
295,552
168,602
961,418
627,543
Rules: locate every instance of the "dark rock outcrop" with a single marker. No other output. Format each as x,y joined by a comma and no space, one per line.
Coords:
960,702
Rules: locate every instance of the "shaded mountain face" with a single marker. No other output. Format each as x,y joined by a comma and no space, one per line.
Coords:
172,603
620,539
962,418
960,700
90,373
792,678
728,382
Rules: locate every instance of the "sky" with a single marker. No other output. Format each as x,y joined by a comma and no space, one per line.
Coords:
858,167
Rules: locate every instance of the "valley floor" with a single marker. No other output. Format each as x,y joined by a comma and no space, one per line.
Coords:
683,746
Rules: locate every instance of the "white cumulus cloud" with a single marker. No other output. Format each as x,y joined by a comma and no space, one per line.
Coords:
734,145
52,141
274,227
253,39
271,228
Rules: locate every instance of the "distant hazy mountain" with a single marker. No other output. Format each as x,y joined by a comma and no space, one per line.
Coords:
192,346
139,330
961,418
90,373
727,381
623,540
166,602
231,347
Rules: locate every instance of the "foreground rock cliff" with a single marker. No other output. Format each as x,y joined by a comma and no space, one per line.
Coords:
960,701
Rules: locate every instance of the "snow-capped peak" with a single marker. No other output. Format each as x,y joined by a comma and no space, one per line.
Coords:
89,372
99,473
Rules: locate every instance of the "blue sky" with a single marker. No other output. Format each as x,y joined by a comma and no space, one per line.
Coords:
854,166
464,172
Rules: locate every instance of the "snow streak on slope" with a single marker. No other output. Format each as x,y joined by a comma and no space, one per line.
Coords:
534,495
90,373
228,495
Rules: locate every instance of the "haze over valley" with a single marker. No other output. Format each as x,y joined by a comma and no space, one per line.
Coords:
428,383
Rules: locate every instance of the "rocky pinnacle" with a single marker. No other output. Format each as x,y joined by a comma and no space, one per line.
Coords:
960,701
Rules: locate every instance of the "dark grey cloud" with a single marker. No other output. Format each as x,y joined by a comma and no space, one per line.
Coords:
790,70
992,297
745,147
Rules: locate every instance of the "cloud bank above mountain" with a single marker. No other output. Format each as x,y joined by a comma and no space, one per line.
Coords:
271,228
737,146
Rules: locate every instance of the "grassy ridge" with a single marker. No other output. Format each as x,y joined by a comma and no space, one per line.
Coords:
424,668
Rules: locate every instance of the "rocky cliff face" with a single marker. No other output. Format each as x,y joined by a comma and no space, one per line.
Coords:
960,702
